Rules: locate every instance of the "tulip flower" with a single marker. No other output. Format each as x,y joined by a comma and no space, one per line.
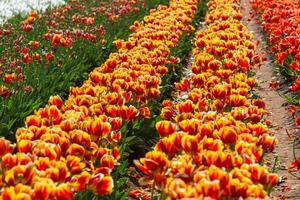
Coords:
165,128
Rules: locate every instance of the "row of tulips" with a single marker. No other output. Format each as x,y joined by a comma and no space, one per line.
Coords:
212,139
58,28
67,147
281,20
56,49
83,22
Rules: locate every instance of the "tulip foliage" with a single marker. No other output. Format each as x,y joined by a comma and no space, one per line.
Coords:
213,137
281,20
71,146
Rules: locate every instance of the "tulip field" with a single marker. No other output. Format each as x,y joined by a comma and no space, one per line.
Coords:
149,99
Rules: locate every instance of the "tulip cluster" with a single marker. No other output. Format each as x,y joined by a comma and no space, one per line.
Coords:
55,49
67,147
212,139
281,20
64,26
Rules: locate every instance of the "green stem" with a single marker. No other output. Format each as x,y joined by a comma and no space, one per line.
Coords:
294,151
152,189
294,175
275,162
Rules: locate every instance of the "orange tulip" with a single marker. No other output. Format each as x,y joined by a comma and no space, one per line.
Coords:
206,130
20,174
236,188
185,107
167,146
258,173
80,137
244,64
8,193
45,149
24,159
214,65
74,164
189,144
273,179
5,147
167,113
54,114
55,174
99,128
257,129
9,161
216,173
212,144
240,114
194,97
100,184
189,126
267,142
41,191
116,123
42,163
129,113
115,137
162,70
177,188
99,152
139,194
167,103
108,161
76,149
228,134
199,80
144,112
259,103
99,78
25,134
165,128
116,153
79,182
153,163
63,191
256,191
184,85
211,189
25,146
154,93
33,121
238,100
56,101
219,91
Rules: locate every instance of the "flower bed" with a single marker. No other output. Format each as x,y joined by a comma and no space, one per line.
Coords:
213,136
56,50
71,146
281,20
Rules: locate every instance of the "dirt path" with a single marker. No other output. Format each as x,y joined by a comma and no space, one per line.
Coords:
276,106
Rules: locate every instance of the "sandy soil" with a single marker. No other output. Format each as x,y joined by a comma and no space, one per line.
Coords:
289,188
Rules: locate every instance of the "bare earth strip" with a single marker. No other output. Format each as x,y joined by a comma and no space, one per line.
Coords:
289,188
